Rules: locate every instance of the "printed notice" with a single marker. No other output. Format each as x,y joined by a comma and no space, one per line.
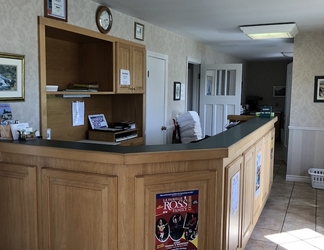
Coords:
235,195
124,77
77,113
176,226
258,174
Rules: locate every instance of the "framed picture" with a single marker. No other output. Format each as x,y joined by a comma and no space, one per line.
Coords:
319,89
279,91
12,77
177,91
56,9
139,31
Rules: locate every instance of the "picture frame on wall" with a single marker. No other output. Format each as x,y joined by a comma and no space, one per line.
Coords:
12,77
177,91
139,31
56,9
319,89
279,91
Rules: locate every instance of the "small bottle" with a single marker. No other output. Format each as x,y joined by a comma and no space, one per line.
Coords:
48,134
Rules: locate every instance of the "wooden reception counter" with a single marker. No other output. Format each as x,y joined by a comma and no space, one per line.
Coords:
75,196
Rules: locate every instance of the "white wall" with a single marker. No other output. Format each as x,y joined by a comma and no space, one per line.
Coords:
19,35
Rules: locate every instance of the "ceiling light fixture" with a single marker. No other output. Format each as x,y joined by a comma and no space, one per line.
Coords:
287,54
268,31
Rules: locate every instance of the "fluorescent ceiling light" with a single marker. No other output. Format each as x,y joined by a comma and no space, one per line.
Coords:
268,31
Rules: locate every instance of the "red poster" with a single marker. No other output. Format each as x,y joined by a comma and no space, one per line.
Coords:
176,226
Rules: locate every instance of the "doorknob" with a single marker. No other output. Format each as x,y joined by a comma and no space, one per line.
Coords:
163,128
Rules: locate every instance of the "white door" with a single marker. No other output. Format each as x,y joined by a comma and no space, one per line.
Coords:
220,95
287,110
156,65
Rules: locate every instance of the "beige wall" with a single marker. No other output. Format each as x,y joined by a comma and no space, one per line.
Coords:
19,35
306,131
308,63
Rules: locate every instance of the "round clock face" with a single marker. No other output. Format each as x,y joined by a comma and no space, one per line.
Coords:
104,19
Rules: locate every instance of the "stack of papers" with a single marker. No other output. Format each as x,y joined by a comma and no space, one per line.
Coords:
190,128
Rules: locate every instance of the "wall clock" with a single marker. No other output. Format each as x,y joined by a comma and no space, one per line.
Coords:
104,19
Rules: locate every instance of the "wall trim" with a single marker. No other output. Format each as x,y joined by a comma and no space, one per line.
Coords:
306,128
298,178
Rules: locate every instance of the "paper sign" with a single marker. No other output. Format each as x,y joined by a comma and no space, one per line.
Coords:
77,113
124,77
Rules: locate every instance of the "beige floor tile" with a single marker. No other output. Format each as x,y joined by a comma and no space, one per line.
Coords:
269,223
278,199
298,245
303,201
320,194
293,225
319,228
308,194
258,245
317,242
261,233
300,218
301,209
276,207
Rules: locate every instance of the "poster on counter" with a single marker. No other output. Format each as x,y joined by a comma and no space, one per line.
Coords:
176,220
258,174
235,193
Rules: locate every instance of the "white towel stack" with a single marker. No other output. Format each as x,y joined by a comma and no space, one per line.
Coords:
190,129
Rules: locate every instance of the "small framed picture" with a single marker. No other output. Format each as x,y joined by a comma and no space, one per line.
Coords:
177,91
56,9
12,77
319,89
279,91
139,31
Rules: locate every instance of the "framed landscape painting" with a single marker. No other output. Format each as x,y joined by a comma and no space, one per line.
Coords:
12,77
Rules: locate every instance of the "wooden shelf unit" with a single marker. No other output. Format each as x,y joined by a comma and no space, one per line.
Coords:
70,54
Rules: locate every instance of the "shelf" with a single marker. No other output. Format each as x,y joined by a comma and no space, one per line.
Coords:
111,136
79,93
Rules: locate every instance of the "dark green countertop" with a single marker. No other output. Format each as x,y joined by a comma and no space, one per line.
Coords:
222,140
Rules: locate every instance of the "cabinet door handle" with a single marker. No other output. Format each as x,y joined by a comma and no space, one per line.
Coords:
163,128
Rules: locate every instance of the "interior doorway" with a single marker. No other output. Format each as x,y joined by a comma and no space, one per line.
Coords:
193,83
156,98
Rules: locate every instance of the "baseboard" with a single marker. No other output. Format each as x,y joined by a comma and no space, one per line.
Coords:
298,178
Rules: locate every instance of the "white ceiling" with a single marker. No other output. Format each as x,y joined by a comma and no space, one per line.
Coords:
216,22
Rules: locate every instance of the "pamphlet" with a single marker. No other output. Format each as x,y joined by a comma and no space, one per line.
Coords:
5,114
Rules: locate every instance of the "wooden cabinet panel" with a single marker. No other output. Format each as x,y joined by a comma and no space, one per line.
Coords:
266,166
18,226
233,205
78,210
146,189
248,194
139,58
132,58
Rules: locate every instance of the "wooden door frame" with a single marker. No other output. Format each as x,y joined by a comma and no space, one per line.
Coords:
193,61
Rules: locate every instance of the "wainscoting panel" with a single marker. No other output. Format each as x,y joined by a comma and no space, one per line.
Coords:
305,150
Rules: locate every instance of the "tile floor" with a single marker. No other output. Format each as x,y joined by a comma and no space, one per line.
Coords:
293,217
